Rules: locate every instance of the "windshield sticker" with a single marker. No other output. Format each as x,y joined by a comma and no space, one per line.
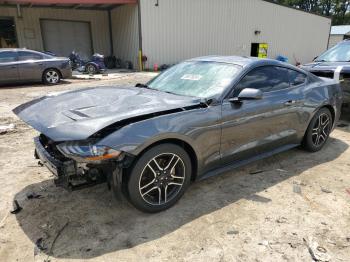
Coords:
191,77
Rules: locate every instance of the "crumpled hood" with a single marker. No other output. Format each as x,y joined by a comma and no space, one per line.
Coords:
76,115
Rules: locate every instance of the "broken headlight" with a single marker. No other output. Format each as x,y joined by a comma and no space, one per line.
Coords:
87,152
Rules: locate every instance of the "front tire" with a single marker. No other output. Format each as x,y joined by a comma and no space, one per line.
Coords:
159,178
51,77
318,131
91,69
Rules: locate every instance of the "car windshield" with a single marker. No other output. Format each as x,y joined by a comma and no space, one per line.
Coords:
196,78
338,53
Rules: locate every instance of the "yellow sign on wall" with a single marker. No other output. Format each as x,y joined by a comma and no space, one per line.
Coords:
262,53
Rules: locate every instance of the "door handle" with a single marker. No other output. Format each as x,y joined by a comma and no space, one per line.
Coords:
290,102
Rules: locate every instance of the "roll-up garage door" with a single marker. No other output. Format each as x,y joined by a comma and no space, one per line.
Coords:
62,37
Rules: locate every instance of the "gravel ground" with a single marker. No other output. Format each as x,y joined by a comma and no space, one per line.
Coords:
294,206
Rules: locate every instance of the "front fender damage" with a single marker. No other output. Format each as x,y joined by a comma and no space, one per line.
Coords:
74,175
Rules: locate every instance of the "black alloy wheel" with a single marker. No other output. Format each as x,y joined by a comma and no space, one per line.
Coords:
318,131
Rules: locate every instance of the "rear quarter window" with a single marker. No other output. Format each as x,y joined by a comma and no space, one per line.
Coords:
296,78
24,56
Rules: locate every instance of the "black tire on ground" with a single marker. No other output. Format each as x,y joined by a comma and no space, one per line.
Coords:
91,69
318,131
172,168
51,76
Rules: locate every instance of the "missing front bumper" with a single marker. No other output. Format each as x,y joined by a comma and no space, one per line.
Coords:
67,172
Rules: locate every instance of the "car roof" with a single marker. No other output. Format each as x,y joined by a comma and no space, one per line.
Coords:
15,49
239,60
20,49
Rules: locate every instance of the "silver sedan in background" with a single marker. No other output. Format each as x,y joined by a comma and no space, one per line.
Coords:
23,65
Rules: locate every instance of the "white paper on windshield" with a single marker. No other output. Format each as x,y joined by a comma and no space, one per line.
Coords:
191,77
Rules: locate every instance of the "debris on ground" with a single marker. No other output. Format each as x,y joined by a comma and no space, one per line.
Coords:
292,245
16,208
34,196
296,189
264,243
6,129
2,222
331,242
45,226
318,253
39,244
282,220
348,191
260,199
325,190
256,172
57,235
233,232
299,183
282,170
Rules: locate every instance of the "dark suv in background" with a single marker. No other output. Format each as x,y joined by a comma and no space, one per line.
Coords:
334,63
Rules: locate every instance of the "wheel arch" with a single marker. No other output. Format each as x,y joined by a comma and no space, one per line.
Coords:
331,109
50,68
180,142
305,143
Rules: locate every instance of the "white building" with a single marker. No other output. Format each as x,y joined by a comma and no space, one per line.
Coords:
338,34
166,31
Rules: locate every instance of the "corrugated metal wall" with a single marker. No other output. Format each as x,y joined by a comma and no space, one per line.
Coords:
125,33
181,29
28,27
335,39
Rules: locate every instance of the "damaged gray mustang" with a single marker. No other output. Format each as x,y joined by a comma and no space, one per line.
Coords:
197,119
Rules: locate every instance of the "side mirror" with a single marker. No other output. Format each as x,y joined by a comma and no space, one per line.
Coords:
248,94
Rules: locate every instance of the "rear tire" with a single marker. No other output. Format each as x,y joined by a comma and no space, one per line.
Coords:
51,76
159,178
318,131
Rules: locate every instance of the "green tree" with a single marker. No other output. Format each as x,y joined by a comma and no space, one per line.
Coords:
337,9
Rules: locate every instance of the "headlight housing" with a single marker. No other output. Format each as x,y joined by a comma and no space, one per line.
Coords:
87,151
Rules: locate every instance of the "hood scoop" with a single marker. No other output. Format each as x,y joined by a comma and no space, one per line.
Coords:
75,115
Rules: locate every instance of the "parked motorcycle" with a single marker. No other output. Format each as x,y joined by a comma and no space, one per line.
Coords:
94,66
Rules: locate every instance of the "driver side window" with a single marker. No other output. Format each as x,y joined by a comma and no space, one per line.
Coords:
266,78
